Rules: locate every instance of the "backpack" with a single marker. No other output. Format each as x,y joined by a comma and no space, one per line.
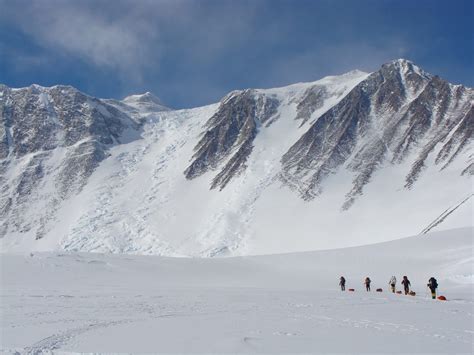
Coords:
433,283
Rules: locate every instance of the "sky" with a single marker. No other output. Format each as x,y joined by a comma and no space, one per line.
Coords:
191,53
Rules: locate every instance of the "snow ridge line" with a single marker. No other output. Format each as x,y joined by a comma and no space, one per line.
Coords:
438,220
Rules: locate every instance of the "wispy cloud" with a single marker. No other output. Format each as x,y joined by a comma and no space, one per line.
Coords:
192,52
129,36
80,30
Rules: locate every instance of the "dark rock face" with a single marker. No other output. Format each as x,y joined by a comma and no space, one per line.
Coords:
230,132
434,114
332,138
35,124
459,139
325,145
43,119
394,112
312,100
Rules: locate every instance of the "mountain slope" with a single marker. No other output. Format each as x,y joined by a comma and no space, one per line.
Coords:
395,114
346,160
52,140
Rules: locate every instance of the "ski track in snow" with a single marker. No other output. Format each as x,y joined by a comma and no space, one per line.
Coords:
288,319
55,341
289,303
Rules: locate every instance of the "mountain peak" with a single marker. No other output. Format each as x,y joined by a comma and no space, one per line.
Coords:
146,97
146,101
355,72
406,68
403,64
402,61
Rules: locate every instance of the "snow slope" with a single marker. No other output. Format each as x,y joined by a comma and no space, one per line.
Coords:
288,303
344,161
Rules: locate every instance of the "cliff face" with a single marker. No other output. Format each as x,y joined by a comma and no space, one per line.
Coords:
230,133
81,173
395,113
52,139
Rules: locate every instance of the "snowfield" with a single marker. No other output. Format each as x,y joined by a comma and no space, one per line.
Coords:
288,303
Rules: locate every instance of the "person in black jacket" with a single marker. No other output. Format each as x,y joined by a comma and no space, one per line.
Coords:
342,283
433,285
406,284
367,283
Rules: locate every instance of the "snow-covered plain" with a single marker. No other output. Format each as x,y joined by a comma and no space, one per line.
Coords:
85,302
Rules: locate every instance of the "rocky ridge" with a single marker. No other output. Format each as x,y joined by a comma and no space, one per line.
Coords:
358,125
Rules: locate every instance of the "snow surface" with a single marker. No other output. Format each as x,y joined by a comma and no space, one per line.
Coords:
83,302
146,102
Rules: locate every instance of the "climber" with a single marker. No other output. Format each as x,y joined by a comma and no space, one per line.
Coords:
392,283
433,285
342,283
406,284
367,283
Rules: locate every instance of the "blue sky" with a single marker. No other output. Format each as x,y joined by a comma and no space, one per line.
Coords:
192,53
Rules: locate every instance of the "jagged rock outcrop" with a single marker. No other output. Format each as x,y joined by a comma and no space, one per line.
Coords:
312,100
395,111
230,132
52,135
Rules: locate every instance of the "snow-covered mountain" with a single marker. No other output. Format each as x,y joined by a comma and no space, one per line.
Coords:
346,160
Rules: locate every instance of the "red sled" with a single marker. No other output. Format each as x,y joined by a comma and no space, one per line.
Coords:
412,293
379,290
351,290
399,292
442,298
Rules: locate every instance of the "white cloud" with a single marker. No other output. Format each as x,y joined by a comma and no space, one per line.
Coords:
131,36
89,36
119,43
